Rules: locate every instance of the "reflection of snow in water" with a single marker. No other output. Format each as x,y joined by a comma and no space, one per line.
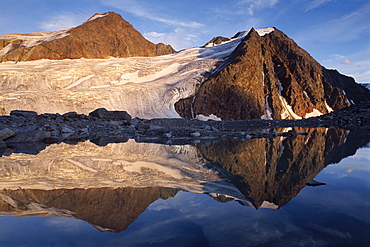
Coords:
116,165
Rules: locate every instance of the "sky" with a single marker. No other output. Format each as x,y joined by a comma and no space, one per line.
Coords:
335,32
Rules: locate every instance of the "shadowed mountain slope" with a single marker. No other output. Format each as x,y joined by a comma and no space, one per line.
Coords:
270,76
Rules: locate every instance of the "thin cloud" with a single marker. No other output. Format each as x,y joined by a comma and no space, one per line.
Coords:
62,22
343,29
179,38
316,3
346,61
139,10
253,5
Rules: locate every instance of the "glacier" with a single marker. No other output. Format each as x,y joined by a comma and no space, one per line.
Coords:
145,87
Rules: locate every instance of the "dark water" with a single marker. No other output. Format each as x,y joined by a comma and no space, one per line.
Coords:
227,193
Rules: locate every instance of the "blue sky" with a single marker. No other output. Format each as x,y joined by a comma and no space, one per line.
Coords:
335,32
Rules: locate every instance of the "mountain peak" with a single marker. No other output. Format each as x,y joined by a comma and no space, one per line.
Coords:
101,36
269,76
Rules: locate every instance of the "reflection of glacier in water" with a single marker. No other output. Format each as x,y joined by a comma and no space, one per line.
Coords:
102,185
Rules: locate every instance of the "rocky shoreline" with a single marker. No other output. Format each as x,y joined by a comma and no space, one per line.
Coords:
29,132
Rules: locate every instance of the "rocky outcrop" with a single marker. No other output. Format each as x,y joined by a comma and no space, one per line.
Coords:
107,208
113,115
216,41
270,76
102,36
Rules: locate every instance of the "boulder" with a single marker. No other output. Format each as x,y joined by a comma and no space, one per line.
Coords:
2,145
70,115
29,134
6,133
112,115
20,113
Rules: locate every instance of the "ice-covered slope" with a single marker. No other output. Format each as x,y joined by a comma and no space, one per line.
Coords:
31,39
146,87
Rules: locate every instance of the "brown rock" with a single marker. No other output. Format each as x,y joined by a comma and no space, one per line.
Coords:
100,37
216,41
264,70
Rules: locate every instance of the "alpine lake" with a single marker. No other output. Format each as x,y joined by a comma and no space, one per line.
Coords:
307,190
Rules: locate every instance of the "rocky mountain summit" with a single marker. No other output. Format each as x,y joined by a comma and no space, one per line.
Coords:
101,36
270,76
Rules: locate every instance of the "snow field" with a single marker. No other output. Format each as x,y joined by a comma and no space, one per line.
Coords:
145,87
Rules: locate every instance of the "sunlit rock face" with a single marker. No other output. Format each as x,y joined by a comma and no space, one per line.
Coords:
101,36
270,76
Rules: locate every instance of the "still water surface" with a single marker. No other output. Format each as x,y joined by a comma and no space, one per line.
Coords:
225,193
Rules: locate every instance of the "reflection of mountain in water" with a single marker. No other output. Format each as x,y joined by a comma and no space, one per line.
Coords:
107,208
111,186
276,170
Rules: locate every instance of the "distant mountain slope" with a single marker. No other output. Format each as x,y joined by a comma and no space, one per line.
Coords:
270,76
101,36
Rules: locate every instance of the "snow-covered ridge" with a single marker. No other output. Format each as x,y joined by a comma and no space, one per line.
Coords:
97,16
32,39
261,32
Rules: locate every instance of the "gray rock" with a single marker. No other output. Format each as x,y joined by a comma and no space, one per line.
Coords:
2,145
25,114
214,129
112,115
28,147
116,122
29,136
195,134
16,120
83,131
315,183
3,126
167,135
206,127
6,133
70,115
105,140
32,127
67,130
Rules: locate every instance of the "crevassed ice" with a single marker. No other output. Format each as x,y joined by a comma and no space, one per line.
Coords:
145,87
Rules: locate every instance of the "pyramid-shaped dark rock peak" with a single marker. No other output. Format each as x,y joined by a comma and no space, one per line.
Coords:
270,76
101,36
